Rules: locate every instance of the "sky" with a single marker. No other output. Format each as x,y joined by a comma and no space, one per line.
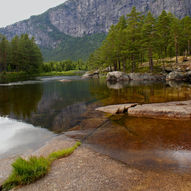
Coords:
12,11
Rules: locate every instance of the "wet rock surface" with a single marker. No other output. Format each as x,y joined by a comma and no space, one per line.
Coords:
170,110
115,109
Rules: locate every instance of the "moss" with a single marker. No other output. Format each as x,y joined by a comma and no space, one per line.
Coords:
27,171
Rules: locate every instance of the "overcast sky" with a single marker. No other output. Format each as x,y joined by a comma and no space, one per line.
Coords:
12,11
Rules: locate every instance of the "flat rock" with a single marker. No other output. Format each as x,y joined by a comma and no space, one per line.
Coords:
171,110
115,109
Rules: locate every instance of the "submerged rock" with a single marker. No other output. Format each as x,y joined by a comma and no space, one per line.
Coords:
117,76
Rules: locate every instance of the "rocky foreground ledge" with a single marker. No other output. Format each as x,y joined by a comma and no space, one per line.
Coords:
180,110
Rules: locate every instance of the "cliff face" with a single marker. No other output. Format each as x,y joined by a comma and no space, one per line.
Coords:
78,18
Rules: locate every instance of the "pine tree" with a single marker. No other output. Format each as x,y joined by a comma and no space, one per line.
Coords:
133,31
175,33
149,37
163,32
186,25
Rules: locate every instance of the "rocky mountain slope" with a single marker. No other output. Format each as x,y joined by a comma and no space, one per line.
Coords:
74,20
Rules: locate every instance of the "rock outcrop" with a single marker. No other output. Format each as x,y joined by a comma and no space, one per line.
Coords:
117,76
180,110
91,74
83,17
179,76
146,77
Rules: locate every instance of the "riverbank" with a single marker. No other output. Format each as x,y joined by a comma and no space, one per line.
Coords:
86,169
21,76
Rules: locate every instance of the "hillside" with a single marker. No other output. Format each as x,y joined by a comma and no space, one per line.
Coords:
76,28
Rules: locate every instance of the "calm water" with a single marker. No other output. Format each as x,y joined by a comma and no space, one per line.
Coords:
48,106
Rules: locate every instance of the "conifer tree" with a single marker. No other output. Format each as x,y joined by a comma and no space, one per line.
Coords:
149,37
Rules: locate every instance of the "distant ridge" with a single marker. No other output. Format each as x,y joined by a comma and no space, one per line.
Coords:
81,24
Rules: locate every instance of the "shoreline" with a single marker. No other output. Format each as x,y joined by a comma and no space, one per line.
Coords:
90,170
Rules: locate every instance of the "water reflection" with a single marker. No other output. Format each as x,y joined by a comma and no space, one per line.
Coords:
18,137
143,143
20,101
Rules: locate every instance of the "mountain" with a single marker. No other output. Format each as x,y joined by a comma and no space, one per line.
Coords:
77,27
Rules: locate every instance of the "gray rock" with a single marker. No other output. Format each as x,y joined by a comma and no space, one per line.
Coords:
172,110
146,77
91,74
179,76
117,76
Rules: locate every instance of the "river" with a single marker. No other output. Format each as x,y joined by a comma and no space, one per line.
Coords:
33,112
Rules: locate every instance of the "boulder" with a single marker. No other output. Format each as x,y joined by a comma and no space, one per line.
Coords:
178,76
117,76
91,74
116,109
146,77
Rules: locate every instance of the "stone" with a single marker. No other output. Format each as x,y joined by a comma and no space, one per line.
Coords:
172,110
117,76
116,109
91,74
146,77
178,76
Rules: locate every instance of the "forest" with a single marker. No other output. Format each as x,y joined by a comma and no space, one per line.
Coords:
20,54
139,38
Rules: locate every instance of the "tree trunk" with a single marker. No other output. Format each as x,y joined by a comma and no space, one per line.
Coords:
150,60
124,65
119,65
115,66
188,47
176,48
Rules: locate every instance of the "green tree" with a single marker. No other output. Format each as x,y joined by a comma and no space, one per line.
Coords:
149,37
133,31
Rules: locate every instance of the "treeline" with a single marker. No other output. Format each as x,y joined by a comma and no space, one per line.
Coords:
137,38
65,65
20,54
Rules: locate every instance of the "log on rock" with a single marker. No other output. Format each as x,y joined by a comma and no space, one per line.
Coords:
116,109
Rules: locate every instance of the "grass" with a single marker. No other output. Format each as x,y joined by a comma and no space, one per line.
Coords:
28,171
63,73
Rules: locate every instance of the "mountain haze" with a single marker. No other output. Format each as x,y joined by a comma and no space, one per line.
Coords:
77,27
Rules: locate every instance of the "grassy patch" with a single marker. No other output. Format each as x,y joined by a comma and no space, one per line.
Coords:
22,76
63,73
27,171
